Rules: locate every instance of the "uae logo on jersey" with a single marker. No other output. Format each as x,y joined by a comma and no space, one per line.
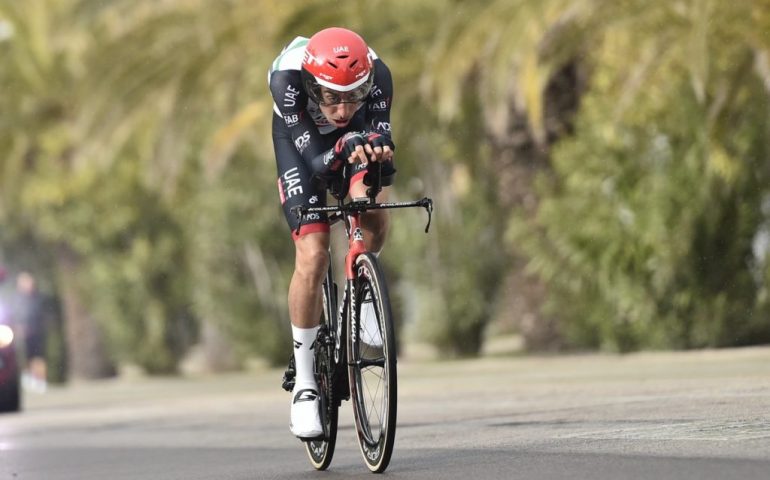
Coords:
290,97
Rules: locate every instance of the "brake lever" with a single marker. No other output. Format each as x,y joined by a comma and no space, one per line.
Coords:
427,204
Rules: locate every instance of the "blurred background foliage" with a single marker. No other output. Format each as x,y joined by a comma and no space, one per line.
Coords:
601,172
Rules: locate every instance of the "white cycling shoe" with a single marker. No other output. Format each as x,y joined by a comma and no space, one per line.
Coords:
305,420
370,328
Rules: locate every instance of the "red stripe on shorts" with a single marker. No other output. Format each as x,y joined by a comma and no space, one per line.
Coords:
310,228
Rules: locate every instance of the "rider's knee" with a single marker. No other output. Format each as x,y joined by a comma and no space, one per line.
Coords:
312,255
376,221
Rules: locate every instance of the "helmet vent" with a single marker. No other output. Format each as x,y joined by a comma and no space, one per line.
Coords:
332,64
354,63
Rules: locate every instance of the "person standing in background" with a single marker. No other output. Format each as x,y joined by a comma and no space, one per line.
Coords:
30,318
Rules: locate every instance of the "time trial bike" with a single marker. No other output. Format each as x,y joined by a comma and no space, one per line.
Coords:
355,349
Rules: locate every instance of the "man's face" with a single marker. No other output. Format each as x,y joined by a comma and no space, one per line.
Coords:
338,107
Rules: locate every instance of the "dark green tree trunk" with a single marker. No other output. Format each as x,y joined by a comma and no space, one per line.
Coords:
87,357
519,158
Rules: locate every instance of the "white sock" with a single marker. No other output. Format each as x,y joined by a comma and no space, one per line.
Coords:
304,351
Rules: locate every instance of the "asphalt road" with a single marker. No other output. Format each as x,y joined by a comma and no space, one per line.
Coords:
695,415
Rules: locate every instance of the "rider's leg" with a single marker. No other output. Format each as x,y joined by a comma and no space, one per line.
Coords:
295,188
311,264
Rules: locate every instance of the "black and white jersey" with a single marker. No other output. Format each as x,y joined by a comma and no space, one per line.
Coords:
307,126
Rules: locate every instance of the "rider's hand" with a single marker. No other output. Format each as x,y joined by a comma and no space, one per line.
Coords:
379,147
351,148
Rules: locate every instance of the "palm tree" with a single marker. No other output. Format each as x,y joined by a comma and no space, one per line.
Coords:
522,61
655,201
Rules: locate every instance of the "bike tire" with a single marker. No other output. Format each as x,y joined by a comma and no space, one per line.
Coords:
371,367
321,451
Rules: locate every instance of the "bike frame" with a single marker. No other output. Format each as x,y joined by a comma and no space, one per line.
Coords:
337,363
350,214
356,244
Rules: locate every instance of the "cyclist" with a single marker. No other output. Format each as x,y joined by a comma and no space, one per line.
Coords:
332,97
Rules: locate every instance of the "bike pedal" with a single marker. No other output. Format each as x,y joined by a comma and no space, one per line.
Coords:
287,382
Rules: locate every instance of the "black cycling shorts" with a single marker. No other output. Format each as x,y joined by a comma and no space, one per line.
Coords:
298,184
35,345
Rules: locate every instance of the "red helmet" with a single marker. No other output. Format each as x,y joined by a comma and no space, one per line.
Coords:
338,59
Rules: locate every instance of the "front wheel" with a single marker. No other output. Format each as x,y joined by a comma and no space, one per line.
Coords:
372,364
